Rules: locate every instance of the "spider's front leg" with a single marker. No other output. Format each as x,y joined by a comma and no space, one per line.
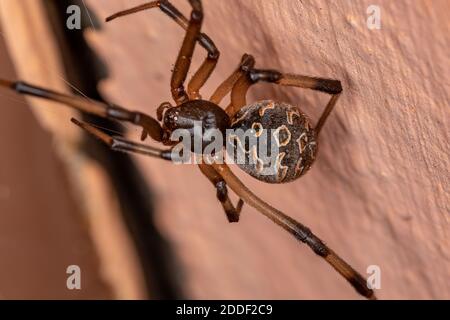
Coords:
183,62
193,34
123,145
184,59
232,212
149,125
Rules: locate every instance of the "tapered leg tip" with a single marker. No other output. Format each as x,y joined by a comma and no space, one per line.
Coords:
78,123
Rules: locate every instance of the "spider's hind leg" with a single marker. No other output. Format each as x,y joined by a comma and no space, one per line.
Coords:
329,86
193,35
301,232
232,212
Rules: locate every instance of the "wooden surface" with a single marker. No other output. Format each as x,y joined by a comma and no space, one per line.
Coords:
57,206
378,193
42,230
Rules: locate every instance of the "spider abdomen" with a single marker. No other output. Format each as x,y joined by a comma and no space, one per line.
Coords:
276,141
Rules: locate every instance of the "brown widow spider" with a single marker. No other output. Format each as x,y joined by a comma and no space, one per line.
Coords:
297,138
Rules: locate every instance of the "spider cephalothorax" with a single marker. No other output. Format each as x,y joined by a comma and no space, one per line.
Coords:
294,135
198,118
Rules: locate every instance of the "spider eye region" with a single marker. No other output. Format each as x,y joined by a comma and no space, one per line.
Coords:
198,123
285,143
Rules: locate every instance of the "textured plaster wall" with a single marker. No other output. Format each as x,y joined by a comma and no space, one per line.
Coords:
379,191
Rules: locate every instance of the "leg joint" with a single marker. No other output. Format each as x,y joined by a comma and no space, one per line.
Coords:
208,44
179,94
214,55
305,235
256,75
247,63
222,191
196,5
197,16
328,86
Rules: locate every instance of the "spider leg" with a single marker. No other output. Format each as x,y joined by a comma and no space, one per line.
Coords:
184,58
298,230
203,73
247,62
205,70
330,86
232,213
149,125
123,145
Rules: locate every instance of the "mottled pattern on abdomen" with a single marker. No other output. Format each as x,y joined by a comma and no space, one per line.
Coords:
291,131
